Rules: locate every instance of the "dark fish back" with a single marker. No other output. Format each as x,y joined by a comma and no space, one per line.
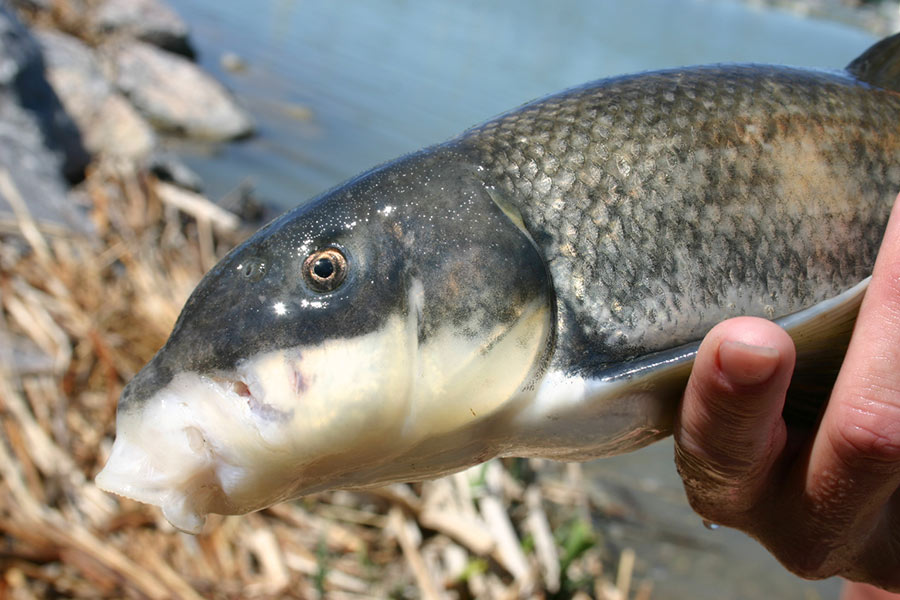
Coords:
668,201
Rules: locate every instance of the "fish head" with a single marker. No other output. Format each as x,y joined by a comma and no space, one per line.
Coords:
360,339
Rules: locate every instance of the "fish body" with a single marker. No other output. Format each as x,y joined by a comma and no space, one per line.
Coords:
537,286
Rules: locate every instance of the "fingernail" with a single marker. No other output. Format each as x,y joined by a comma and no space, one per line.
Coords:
746,364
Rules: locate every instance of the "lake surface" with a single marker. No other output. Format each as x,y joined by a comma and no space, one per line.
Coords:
338,87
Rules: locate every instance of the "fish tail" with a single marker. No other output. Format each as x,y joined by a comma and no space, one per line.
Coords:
880,64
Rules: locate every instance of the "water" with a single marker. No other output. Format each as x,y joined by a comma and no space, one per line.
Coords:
674,549
338,87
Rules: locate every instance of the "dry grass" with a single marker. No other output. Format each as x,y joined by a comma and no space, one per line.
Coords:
92,311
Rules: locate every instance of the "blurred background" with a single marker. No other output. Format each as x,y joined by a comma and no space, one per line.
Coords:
310,93
335,89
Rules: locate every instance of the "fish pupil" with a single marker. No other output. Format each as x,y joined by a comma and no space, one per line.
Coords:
323,268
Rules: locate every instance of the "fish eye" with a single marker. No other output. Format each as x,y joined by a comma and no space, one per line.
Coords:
324,270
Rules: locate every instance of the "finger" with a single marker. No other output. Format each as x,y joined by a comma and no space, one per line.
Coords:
730,429
854,465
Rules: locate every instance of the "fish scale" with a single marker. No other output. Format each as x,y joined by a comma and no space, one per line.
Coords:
683,180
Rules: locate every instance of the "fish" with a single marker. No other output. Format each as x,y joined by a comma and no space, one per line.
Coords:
536,286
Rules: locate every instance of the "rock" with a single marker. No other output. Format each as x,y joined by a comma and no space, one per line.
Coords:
149,20
38,141
22,82
35,176
33,5
168,167
175,94
232,62
246,203
109,125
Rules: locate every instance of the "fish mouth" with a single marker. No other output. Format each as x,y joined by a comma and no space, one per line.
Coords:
275,428
165,452
226,443
185,492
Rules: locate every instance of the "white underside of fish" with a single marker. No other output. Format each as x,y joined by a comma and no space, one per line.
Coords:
346,413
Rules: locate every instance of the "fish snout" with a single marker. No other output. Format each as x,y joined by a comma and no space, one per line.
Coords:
161,454
144,386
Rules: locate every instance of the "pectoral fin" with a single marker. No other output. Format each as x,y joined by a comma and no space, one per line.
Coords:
821,334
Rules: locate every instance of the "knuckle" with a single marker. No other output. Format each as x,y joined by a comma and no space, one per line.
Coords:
882,303
869,432
728,454
804,551
809,565
718,430
887,280
696,459
717,492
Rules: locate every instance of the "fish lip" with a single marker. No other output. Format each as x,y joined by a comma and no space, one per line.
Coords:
169,451
185,499
162,456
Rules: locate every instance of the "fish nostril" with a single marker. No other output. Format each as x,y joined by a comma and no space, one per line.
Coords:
241,389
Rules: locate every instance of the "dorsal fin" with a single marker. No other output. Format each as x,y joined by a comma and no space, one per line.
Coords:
880,64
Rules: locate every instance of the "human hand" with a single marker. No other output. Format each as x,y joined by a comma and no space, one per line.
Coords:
824,502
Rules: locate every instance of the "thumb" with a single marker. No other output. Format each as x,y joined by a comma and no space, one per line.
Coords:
730,431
